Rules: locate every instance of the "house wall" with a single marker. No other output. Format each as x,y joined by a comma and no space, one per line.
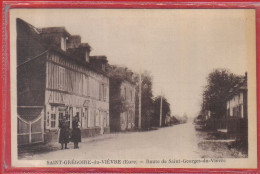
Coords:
235,105
73,90
31,57
31,82
127,118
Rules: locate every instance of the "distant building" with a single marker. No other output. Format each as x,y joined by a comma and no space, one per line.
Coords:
56,77
122,100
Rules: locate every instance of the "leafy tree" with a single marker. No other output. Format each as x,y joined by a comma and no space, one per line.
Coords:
219,82
147,108
117,104
165,111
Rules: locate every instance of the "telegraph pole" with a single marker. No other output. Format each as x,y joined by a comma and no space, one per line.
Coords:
140,100
161,111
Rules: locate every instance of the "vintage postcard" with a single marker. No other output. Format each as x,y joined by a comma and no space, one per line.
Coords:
133,88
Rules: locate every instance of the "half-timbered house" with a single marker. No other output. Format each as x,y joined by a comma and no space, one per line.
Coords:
57,77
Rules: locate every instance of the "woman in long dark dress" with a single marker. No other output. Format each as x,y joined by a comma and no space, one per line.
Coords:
76,134
64,133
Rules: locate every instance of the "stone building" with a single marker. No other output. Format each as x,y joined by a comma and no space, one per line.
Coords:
56,77
122,99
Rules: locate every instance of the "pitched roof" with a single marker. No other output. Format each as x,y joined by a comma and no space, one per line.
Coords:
241,86
98,58
48,30
68,55
30,28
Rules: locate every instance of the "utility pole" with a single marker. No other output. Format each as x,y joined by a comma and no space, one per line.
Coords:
161,112
140,100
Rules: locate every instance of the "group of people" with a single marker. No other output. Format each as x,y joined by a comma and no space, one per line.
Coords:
65,136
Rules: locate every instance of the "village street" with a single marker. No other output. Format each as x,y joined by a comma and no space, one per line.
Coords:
176,141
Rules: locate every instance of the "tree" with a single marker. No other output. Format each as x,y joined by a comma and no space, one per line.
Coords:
165,111
117,104
147,108
219,82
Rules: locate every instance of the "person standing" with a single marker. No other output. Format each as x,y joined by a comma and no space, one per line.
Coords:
64,132
76,134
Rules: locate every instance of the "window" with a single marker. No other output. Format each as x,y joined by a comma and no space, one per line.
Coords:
67,116
102,92
85,123
95,88
240,111
105,93
92,118
131,95
85,85
53,120
63,43
97,119
48,120
61,80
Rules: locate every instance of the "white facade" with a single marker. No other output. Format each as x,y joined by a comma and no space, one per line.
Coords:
235,106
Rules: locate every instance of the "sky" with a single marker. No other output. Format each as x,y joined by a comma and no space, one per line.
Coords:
178,47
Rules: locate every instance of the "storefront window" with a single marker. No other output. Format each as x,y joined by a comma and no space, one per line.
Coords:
53,120
67,118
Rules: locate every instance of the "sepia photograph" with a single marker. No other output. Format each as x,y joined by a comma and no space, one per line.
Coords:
154,88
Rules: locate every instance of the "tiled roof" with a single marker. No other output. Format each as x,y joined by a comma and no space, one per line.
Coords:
33,30
48,30
102,58
69,54
85,45
238,87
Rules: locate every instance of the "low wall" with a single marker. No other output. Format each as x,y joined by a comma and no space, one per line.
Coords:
52,135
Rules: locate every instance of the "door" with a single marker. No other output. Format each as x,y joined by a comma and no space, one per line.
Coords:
85,118
79,115
61,115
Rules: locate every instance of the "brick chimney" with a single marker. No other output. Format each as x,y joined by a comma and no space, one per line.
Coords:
57,36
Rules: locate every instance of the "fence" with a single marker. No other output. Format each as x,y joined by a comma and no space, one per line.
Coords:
233,125
30,132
